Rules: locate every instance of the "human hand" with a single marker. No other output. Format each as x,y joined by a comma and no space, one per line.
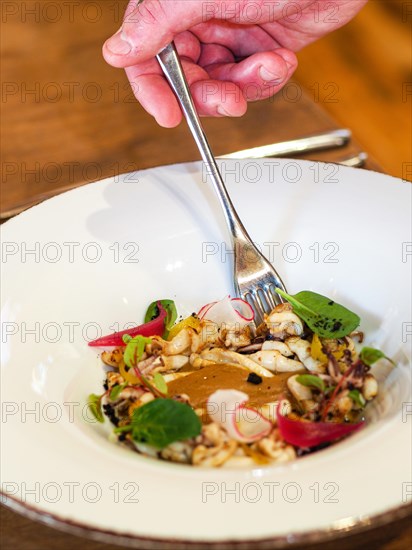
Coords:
232,51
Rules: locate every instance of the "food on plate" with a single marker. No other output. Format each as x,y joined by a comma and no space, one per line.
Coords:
213,389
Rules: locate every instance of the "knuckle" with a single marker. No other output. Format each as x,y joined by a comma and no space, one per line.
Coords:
151,12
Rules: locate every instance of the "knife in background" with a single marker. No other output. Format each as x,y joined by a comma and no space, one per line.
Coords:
314,142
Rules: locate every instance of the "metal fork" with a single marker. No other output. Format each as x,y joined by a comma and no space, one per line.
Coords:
255,279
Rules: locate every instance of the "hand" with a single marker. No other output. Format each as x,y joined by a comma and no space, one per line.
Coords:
233,51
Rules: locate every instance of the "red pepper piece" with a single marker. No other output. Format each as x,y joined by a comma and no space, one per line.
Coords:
312,434
155,327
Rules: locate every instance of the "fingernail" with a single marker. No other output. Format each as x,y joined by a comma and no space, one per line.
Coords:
117,45
268,76
289,65
221,111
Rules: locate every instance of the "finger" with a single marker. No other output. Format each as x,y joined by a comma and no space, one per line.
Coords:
188,47
216,98
148,27
156,97
240,40
215,53
211,97
260,75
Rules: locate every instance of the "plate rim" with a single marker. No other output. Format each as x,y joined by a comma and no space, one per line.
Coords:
75,527
108,536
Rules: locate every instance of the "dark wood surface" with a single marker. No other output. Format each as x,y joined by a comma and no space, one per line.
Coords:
68,119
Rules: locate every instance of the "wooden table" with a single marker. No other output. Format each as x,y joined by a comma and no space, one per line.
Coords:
69,119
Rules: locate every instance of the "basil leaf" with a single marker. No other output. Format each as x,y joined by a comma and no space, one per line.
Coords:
171,311
163,421
322,315
116,391
311,381
357,397
371,355
329,389
95,405
160,383
135,349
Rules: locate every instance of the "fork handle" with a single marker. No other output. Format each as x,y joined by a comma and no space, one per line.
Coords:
172,68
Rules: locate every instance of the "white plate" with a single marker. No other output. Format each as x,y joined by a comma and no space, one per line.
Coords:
79,263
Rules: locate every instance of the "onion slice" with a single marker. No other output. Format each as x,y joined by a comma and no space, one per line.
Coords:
227,408
311,434
229,310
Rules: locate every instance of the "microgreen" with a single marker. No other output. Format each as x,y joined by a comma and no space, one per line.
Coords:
371,355
311,381
135,349
116,391
153,312
160,383
95,405
357,397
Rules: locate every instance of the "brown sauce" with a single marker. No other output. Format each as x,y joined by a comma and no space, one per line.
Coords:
200,384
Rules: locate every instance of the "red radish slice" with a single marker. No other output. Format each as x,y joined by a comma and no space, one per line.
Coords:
205,309
311,434
243,309
229,310
244,424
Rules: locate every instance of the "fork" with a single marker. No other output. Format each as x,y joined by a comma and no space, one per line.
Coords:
255,279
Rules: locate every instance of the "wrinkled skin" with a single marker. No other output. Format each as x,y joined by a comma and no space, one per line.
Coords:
233,51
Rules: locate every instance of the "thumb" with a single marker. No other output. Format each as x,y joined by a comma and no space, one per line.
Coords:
149,25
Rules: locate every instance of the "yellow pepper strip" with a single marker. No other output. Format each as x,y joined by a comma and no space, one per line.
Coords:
317,353
316,349
191,321
127,375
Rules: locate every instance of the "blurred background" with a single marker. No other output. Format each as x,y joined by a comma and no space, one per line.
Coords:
68,118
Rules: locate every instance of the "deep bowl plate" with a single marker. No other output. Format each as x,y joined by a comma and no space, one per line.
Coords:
89,261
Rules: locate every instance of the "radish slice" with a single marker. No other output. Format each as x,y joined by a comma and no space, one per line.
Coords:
244,424
203,310
312,434
229,310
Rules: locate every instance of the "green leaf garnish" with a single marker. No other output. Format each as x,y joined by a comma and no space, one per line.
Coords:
371,355
116,391
95,405
357,398
160,383
153,312
322,315
163,421
126,338
123,429
311,381
135,349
